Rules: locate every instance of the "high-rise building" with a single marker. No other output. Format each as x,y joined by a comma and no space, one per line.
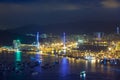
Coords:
118,31
16,44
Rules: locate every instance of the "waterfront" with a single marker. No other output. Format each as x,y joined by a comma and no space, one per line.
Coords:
20,66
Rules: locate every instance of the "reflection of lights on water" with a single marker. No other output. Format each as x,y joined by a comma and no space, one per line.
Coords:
90,64
38,57
18,56
17,60
64,67
86,64
93,61
78,60
64,61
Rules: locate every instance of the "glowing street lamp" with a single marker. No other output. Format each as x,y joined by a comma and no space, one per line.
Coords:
109,49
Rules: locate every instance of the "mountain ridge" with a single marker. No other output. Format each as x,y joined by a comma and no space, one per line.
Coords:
71,27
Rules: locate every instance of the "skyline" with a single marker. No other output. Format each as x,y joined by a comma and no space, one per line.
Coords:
59,39
88,13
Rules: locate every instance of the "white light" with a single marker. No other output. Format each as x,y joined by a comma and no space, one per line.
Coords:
83,74
109,49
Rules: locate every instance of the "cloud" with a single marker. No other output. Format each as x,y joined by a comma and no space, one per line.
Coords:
23,6
22,12
52,4
32,6
35,7
110,3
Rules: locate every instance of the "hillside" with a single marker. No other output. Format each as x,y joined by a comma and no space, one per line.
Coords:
6,38
73,27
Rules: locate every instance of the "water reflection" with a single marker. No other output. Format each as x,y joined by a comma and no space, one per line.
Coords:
64,69
38,57
68,68
18,59
18,56
91,65
38,61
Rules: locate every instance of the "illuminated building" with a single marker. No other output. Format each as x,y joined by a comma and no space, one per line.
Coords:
28,47
118,30
16,44
98,36
38,44
64,42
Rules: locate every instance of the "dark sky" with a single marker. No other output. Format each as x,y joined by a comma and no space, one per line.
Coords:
17,13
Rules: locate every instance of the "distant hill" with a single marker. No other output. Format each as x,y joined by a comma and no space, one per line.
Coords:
71,27
6,38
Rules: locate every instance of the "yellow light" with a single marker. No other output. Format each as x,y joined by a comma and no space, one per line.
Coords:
109,49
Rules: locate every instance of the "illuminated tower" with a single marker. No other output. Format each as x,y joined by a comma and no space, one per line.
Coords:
38,44
118,30
38,56
64,42
99,36
16,44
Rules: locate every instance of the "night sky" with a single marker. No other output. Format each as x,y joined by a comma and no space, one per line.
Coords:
101,14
